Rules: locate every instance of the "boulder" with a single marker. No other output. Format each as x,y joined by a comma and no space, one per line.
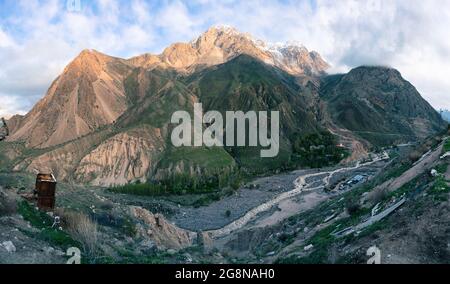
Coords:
9,246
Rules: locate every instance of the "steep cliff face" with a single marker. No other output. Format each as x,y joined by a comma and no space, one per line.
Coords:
14,122
102,158
86,96
126,157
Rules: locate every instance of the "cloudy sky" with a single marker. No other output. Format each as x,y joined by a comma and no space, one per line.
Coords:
38,38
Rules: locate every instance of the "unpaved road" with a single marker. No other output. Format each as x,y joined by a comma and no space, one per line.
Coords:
300,185
426,162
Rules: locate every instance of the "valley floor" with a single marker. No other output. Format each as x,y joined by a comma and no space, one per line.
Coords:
291,217
266,190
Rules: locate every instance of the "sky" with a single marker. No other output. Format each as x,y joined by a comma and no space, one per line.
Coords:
39,38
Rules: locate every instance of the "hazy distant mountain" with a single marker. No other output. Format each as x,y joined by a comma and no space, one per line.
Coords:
445,114
106,120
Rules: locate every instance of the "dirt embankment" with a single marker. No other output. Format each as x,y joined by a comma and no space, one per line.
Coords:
426,163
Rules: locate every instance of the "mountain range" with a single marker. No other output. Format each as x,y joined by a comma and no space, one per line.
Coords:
106,120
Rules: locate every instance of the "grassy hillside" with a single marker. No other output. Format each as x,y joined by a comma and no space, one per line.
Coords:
377,104
246,84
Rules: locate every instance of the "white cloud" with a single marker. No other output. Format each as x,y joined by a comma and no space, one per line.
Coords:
11,105
142,11
176,21
5,40
50,36
411,36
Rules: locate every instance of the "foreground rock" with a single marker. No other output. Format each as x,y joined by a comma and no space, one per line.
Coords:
163,234
9,246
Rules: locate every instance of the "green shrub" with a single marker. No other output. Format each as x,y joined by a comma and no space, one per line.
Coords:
447,146
183,184
353,207
44,222
440,189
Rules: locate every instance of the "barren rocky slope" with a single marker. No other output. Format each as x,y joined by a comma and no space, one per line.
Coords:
89,94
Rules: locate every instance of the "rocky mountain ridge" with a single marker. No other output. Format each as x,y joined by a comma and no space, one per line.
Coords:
220,44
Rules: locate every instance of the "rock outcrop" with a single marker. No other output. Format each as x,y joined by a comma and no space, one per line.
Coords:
126,157
162,233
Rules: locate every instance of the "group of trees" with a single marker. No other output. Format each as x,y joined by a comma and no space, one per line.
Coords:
183,183
317,150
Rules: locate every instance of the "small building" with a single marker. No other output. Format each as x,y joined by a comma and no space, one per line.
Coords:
45,191
356,179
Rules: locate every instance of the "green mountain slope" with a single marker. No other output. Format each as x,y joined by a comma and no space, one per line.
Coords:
246,84
377,104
